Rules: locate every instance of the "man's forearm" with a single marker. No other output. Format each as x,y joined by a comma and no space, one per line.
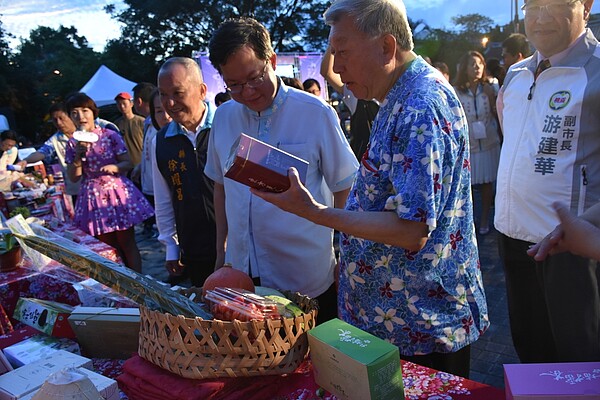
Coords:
382,227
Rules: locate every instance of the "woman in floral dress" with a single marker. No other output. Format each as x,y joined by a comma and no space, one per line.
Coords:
108,205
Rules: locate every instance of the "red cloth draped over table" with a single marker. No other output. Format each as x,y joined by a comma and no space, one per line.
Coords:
53,281
47,285
79,236
142,380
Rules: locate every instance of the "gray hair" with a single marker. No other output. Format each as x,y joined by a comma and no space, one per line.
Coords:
374,18
192,68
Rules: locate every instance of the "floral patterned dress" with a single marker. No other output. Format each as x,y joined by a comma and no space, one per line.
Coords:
106,203
418,167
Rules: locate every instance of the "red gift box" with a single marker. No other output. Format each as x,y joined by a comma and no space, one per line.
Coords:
262,166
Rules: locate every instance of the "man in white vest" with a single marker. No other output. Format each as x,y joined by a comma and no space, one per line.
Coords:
548,107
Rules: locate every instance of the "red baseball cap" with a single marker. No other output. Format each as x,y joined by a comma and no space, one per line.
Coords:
123,95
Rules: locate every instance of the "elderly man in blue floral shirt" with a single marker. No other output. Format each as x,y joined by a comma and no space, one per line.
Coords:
409,266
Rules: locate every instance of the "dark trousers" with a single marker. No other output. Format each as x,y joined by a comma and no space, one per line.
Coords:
152,220
457,363
198,268
554,305
327,305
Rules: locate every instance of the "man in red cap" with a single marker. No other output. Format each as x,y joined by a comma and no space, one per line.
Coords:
131,127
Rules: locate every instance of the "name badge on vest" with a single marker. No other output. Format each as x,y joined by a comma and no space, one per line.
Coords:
478,130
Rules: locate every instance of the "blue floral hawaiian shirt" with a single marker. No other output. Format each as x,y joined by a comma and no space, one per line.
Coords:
417,166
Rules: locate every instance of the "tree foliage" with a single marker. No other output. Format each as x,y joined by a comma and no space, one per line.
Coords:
473,23
6,90
159,29
47,66
154,30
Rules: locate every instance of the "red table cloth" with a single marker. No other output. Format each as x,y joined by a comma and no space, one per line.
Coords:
142,380
52,281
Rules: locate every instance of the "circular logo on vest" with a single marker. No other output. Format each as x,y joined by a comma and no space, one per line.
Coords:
560,100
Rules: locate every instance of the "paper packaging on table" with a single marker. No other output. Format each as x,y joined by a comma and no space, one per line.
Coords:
36,348
353,364
57,210
94,325
18,335
22,381
108,388
262,166
4,364
550,381
118,277
49,317
92,293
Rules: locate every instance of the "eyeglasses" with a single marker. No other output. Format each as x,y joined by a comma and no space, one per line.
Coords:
552,9
252,83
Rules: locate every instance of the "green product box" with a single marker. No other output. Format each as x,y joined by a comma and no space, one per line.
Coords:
353,364
46,316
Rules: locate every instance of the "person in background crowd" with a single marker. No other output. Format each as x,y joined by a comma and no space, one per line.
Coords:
56,145
145,166
142,173
158,114
479,102
221,98
108,205
258,235
141,101
443,68
409,266
514,49
101,122
495,73
8,148
183,194
312,86
363,111
131,127
292,82
9,153
159,118
548,108
578,235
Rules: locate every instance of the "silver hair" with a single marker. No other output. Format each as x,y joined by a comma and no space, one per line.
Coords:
190,65
374,18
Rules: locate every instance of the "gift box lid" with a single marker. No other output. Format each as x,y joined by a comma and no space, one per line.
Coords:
555,379
350,340
229,304
257,164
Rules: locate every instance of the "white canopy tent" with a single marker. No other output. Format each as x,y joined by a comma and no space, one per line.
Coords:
104,86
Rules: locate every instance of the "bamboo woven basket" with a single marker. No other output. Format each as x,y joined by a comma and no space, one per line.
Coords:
196,348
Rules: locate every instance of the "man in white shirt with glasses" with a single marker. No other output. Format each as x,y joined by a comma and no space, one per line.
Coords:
280,249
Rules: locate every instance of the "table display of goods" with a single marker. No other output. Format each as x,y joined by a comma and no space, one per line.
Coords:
29,195
250,335
121,279
263,336
228,304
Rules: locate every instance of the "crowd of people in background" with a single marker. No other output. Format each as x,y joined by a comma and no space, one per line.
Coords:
399,184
